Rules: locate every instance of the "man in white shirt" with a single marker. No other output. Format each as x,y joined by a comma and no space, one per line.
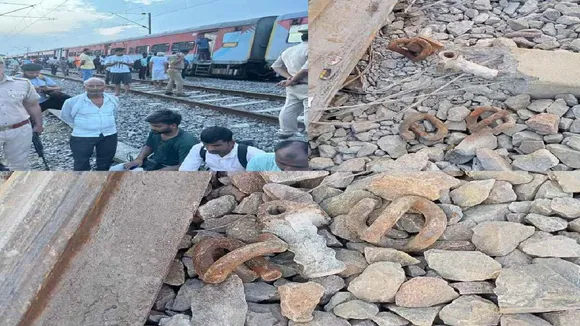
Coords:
219,151
120,70
53,62
93,116
293,65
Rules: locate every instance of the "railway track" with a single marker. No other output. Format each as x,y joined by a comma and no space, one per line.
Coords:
235,102
265,96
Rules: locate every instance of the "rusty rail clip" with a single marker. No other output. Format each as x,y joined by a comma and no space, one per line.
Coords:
435,222
410,128
416,48
498,114
216,271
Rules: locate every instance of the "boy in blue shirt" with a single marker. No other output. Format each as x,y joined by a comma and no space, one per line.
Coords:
202,43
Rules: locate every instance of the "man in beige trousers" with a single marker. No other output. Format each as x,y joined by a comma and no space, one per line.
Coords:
175,64
293,65
18,105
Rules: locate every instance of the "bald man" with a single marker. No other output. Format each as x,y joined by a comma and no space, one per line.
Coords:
93,115
289,155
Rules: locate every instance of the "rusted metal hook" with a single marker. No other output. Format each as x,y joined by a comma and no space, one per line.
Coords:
410,128
216,271
416,48
435,222
498,114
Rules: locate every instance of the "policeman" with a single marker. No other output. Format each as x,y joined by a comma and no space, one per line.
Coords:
18,105
50,93
293,65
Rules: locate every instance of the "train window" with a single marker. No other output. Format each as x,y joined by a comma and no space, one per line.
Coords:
131,50
141,49
182,46
160,48
231,39
175,46
293,35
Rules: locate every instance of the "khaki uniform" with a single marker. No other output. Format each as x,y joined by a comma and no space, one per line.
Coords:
174,73
16,141
294,59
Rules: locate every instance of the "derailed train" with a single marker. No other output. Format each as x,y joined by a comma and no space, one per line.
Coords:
239,49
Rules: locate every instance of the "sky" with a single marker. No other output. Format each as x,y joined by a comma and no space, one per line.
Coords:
52,24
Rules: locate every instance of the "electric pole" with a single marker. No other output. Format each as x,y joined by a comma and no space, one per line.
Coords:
149,20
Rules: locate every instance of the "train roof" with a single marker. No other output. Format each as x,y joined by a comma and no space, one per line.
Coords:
191,30
293,15
194,29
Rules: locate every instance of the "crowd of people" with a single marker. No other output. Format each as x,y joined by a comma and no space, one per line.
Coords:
25,96
93,116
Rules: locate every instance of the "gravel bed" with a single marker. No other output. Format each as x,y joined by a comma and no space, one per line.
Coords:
239,85
546,132
133,129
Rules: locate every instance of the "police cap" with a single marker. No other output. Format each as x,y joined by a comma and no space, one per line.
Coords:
31,67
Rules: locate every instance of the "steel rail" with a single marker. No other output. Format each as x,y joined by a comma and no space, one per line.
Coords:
248,114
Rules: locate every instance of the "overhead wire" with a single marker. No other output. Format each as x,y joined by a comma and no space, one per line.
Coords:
15,10
187,7
101,20
23,18
34,22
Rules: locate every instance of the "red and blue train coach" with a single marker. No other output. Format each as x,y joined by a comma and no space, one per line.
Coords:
239,49
285,34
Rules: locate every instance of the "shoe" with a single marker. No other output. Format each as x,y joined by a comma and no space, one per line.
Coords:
283,135
4,168
168,93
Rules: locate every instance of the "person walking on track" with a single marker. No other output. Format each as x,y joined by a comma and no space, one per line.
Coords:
175,66
293,65
18,106
158,66
93,115
63,65
87,66
143,67
53,62
120,72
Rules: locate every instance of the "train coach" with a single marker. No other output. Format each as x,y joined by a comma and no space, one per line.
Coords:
239,49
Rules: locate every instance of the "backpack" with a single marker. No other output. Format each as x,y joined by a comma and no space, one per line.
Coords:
242,152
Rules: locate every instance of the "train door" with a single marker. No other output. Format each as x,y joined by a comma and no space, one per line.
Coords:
212,36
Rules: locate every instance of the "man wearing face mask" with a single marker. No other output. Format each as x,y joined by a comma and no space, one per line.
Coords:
93,116
167,145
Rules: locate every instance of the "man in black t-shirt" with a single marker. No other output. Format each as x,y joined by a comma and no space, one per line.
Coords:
166,147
